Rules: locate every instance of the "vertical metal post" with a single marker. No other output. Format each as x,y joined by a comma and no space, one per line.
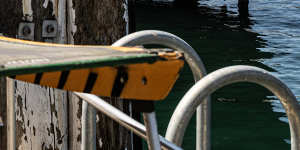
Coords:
152,133
203,121
243,8
11,116
243,13
88,129
122,118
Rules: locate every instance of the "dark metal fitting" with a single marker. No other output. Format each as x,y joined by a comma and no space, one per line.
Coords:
26,31
49,29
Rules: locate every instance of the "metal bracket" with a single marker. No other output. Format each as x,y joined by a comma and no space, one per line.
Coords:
26,31
49,30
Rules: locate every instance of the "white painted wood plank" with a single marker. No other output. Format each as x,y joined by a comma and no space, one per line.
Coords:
61,118
34,117
74,122
11,117
42,112
75,104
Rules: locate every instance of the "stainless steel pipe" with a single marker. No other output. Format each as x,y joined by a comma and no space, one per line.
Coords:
225,76
152,132
194,62
122,118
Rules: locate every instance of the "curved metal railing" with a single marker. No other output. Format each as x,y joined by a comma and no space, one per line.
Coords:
225,76
199,93
195,64
197,96
123,119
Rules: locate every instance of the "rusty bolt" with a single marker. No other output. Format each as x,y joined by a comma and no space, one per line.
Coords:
26,31
50,28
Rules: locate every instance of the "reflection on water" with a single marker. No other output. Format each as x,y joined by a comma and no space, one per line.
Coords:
270,40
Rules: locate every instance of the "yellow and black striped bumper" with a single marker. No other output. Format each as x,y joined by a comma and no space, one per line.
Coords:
129,73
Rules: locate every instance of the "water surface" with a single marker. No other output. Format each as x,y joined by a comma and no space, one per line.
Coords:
245,116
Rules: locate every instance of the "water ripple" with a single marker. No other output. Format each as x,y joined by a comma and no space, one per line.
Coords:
278,23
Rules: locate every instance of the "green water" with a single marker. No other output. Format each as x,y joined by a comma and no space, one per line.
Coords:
247,122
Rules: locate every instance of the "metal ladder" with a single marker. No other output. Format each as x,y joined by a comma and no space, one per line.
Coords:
196,99
192,58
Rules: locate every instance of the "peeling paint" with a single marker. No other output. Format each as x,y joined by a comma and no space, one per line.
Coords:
54,6
72,28
27,10
61,21
41,113
126,16
100,142
1,122
97,119
73,19
45,4
32,129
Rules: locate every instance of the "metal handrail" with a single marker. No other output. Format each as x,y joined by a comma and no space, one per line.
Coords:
195,64
169,40
197,96
229,75
122,118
